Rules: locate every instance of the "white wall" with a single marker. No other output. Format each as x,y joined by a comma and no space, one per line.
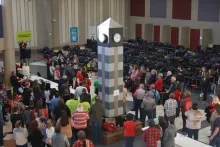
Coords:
193,24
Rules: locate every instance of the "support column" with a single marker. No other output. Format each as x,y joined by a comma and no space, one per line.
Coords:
9,51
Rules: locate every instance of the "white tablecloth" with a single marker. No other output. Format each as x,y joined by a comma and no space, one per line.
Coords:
52,84
184,141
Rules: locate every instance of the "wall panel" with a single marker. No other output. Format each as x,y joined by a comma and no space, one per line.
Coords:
185,37
166,33
137,8
148,34
206,37
138,30
175,35
182,9
208,10
194,38
156,33
160,5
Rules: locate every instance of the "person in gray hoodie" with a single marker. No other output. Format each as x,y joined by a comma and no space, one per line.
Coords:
170,134
59,139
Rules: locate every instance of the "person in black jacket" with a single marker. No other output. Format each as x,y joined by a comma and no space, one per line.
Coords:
70,73
15,116
14,81
27,94
205,86
180,78
59,107
85,97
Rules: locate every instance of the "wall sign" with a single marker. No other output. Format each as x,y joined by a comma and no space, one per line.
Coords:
23,36
74,35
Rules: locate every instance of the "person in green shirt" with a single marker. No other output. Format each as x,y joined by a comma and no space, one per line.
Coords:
96,83
86,106
72,103
94,96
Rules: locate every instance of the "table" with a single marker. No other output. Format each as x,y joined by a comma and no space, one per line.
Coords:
52,84
184,141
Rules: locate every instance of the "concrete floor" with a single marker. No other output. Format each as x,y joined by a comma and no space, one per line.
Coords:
204,132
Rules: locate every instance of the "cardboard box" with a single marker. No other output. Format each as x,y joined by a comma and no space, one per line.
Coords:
9,143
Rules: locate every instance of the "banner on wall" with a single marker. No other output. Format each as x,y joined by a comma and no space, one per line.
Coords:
23,36
92,31
74,35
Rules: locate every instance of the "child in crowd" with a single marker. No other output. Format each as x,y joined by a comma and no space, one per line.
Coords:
49,133
27,116
59,139
20,134
129,130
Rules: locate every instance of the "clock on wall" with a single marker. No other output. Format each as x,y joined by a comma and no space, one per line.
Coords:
117,37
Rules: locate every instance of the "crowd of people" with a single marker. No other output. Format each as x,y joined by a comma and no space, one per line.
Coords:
150,89
57,118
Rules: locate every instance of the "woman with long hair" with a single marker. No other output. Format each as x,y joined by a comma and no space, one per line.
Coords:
185,105
49,133
36,91
35,135
66,124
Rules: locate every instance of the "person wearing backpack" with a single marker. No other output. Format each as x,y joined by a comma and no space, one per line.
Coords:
156,96
185,105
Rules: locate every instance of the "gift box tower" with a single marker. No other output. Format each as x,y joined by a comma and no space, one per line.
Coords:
110,67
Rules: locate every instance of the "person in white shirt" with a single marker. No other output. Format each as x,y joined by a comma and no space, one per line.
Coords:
78,91
49,133
20,134
193,122
26,70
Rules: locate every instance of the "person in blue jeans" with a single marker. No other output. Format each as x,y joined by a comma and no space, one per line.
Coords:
96,113
215,137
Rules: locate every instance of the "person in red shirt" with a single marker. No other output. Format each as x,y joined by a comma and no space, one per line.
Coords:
151,135
129,130
185,105
159,83
79,77
178,94
87,84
